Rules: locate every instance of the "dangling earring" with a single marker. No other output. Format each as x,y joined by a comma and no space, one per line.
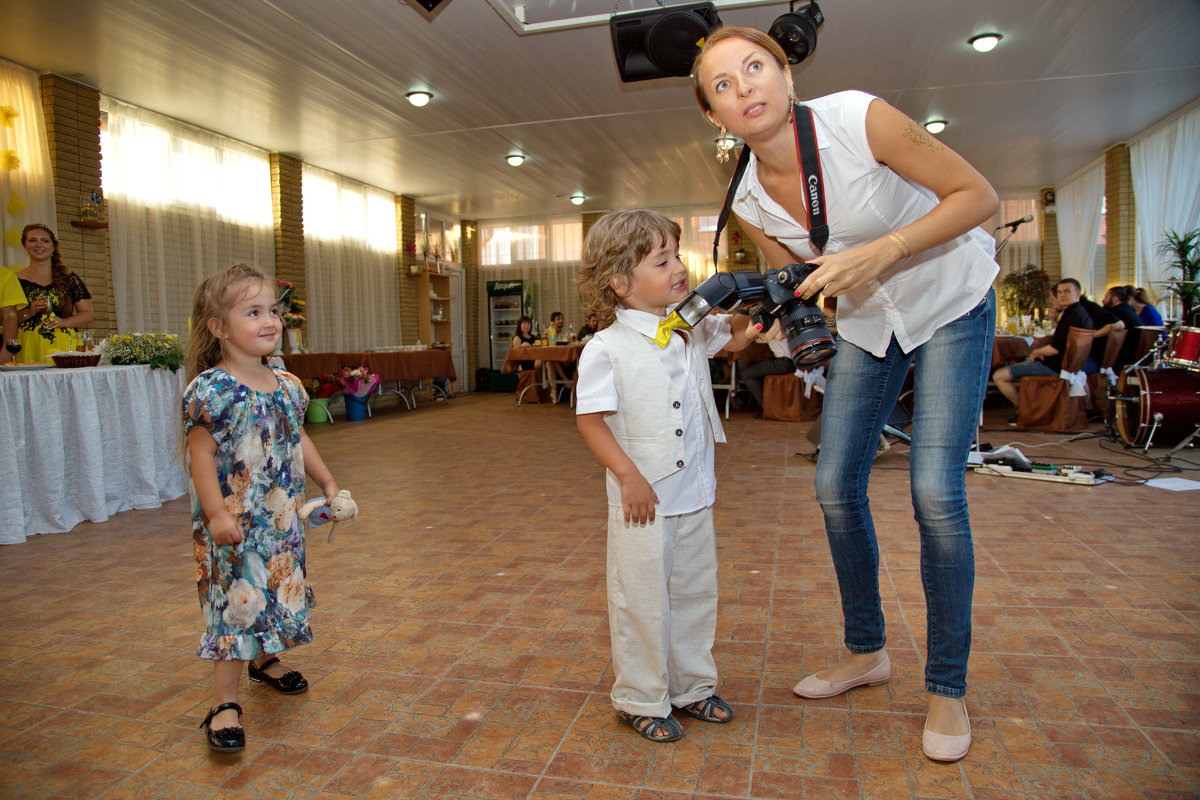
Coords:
725,143
792,96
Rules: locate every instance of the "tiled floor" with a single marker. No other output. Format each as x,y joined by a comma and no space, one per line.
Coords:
461,649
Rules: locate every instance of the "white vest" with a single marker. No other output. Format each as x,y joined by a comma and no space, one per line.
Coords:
651,432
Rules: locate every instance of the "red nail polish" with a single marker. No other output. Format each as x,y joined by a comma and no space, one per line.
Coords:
758,326
798,293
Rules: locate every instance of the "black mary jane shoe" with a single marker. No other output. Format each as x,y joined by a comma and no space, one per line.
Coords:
224,740
289,683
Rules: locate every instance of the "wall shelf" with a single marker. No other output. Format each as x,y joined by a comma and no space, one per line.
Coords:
87,223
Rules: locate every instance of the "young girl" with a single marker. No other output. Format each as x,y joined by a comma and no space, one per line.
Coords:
247,454
646,412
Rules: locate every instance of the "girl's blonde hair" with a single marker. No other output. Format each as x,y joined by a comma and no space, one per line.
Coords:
212,300
614,246
752,35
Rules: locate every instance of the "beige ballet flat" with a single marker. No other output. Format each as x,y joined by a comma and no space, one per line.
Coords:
944,747
814,688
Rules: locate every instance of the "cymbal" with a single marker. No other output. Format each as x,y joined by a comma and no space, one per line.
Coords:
1152,327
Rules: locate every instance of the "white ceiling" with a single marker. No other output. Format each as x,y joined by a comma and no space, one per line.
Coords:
324,80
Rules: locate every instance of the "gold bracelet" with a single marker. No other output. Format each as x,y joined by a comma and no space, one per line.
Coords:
902,243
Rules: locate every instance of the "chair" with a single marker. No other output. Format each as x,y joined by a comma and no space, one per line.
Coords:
1100,383
731,387
1045,402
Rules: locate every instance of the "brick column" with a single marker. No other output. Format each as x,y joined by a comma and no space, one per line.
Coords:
406,258
72,113
287,207
472,286
1051,254
1119,216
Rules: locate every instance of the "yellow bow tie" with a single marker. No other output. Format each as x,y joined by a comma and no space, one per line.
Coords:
662,336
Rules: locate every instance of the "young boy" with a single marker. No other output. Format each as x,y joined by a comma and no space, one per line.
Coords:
647,413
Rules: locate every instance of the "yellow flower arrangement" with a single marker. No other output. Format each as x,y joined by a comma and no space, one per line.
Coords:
159,350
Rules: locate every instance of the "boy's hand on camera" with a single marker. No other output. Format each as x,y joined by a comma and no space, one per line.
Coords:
638,499
225,529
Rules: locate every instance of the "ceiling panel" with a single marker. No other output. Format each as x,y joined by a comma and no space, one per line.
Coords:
324,80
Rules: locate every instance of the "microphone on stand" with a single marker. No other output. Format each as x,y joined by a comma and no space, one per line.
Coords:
1017,222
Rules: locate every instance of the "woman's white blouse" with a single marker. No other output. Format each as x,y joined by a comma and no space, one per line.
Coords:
866,200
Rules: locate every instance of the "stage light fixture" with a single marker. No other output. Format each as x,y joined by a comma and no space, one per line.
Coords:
985,42
796,31
660,42
935,126
419,98
515,159
577,199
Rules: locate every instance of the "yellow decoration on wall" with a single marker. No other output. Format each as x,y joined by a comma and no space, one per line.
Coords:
9,160
16,206
12,237
7,115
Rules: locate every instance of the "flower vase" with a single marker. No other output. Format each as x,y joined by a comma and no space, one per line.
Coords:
318,410
293,340
278,351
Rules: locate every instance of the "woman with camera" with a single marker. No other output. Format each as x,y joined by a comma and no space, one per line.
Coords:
891,217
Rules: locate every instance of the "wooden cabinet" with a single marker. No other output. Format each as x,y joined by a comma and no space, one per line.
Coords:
434,309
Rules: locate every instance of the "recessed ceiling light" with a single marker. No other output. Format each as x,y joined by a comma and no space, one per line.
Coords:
577,199
935,126
515,159
419,98
985,42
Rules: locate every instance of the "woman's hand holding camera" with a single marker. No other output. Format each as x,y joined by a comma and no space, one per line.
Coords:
839,273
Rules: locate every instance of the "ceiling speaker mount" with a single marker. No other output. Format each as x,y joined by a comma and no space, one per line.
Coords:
661,42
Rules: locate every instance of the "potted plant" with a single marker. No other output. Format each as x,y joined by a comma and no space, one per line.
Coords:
1183,251
1025,292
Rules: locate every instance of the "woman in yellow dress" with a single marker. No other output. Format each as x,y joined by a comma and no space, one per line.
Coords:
59,302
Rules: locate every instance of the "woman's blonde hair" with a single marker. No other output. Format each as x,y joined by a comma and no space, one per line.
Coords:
752,35
212,300
614,246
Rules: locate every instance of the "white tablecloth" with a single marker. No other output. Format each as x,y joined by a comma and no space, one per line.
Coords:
83,444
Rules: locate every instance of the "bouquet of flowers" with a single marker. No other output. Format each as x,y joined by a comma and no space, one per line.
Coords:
293,320
358,381
324,386
159,350
287,290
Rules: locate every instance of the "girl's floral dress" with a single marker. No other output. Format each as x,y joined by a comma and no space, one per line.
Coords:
255,595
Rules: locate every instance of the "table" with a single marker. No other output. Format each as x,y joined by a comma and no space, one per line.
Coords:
1009,350
753,353
392,366
562,354
84,444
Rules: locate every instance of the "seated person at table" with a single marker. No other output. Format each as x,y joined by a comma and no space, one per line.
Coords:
1103,320
1047,359
59,302
1140,299
646,412
1116,300
753,374
11,298
557,335
590,329
524,338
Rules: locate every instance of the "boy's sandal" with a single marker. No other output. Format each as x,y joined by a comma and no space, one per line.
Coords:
707,708
291,682
656,729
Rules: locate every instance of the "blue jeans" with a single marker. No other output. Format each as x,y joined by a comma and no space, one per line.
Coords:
949,381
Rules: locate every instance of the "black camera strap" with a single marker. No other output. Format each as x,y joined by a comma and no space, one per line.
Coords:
812,181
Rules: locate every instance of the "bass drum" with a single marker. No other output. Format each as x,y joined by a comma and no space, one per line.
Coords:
1171,395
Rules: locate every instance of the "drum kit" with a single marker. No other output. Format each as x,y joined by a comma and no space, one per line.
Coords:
1158,397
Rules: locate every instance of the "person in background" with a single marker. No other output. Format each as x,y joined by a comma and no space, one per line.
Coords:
247,452
1116,300
753,374
1047,359
558,328
1140,299
647,413
11,299
912,271
524,338
591,328
1103,321
558,335
59,302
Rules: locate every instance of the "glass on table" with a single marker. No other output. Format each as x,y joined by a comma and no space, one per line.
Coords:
14,347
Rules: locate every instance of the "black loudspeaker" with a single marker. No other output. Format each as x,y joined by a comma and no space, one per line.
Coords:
661,42
797,32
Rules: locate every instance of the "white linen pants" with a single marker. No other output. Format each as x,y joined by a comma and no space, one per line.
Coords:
662,611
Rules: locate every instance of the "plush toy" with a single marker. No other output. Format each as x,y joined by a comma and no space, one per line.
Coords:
315,512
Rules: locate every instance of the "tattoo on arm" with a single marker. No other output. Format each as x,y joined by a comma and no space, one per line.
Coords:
920,137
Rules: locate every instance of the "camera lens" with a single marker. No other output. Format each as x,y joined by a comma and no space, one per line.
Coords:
809,339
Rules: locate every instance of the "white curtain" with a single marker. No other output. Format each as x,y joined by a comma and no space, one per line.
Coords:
350,264
183,203
26,185
1166,186
1079,203
1024,247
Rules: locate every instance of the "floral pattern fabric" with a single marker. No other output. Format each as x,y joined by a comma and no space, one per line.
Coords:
37,342
254,595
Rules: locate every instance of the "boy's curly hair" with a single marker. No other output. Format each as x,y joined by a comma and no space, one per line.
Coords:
616,243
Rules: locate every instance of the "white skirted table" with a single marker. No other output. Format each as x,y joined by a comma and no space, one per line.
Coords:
83,444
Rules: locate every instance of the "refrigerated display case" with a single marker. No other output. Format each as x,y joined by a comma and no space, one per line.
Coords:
507,301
